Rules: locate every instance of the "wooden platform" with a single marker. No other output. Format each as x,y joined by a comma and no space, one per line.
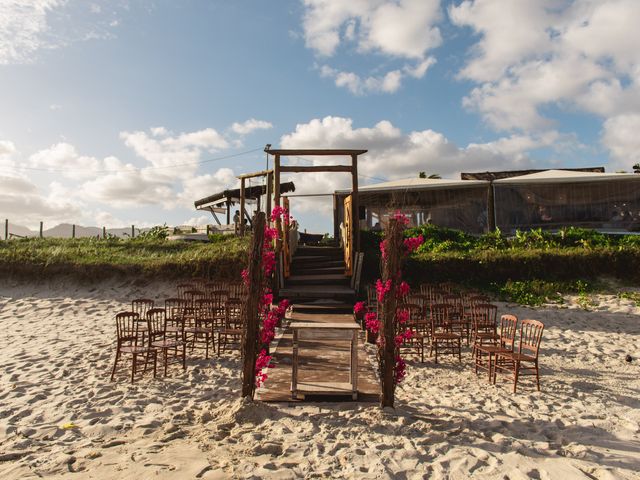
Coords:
324,359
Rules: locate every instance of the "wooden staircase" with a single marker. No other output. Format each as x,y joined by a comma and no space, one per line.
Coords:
317,276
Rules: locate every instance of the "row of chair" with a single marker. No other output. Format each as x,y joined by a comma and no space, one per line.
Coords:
209,319
443,315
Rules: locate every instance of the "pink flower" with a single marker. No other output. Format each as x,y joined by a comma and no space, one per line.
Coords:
402,316
359,309
412,244
404,289
371,322
267,298
279,212
270,234
382,289
245,276
400,369
262,362
401,218
383,249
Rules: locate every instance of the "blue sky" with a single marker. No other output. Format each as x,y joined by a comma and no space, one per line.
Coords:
100,100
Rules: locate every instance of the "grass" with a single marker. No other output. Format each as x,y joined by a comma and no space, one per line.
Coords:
146,257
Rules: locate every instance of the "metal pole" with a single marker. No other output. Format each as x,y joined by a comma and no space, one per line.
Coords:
6,229
133,231
73,231
41,229
104,233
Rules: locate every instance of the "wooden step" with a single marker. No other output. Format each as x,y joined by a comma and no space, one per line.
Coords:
323,279
306,261
311,270
340,293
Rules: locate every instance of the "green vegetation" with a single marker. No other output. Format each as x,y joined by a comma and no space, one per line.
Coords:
530,267
148,255
537,292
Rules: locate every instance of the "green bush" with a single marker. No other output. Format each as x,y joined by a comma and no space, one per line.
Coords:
537,292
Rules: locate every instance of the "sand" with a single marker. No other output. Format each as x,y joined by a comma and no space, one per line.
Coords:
56,351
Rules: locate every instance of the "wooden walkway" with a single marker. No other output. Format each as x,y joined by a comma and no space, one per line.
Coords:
322,357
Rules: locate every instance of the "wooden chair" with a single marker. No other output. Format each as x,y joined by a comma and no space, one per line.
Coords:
415,323
127,343
448,287
156,319
442,337
233,332
200,328
184,287
237,291
141,306
176,310
191,296
483,325
528,350
484,354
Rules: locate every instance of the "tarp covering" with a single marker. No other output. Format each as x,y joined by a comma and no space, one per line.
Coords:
459,204
555,199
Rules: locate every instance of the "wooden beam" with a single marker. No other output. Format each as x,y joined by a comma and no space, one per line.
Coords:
262,173
315,168
276,202
315,152
242,211
228,211
336,223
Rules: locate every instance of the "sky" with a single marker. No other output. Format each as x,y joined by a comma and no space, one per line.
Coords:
122,112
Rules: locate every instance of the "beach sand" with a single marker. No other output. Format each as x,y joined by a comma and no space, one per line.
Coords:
57,349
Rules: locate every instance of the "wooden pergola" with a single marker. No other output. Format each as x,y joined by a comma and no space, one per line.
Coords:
278,169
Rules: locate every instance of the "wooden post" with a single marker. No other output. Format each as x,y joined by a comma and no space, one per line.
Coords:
242,193
269,194
41,225
104,233
6,229
387,351
250,319
355,204
276,203
73,231
133,231
336,222
228,211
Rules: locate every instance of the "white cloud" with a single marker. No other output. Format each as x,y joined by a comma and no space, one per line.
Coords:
23,24
198,221
202,186
620,136
64,157
403,29
394,154
387,83
250,125
7,147
162,149
22,203
578,54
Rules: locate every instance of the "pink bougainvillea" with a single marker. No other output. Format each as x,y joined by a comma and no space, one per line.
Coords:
403,289
359,309
270,316
402,316
400,369
371,322
382,289
401,218
412,244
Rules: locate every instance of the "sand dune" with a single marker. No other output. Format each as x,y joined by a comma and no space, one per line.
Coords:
56,349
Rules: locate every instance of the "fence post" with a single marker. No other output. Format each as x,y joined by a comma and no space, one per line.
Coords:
40,229
104,233
133,231
73,231
250,319
6,229
390,269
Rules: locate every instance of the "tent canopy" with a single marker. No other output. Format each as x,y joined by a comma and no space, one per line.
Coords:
564,176
418,184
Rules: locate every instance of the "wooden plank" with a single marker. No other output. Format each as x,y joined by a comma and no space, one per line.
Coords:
325,388
262,173
315,152
355,204
315,168
321,326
